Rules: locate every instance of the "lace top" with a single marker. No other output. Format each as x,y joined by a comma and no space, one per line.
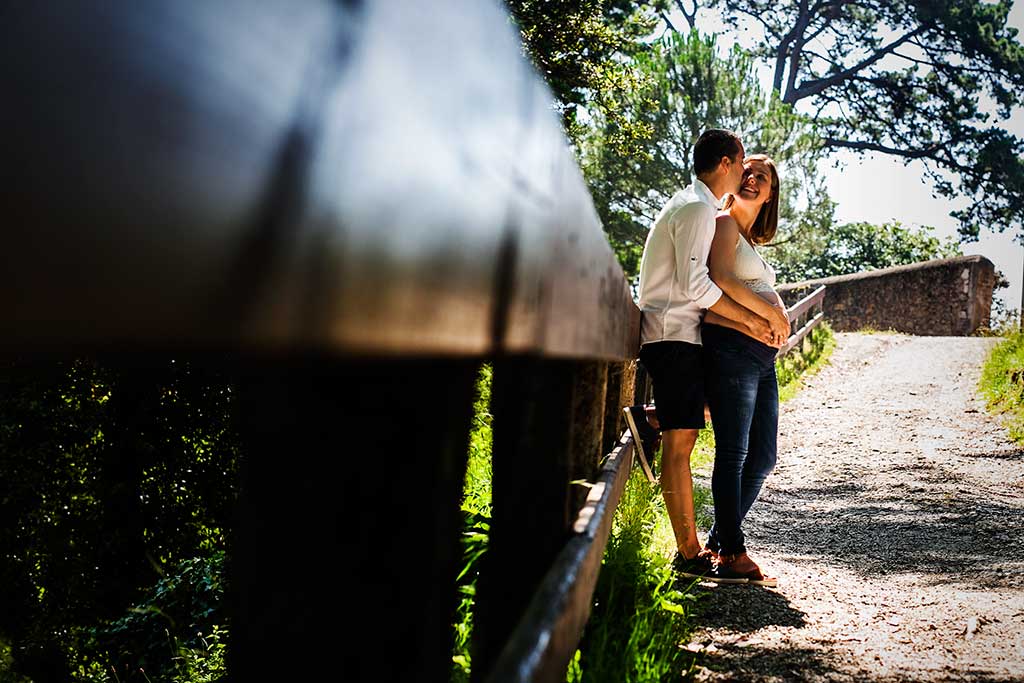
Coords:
752,269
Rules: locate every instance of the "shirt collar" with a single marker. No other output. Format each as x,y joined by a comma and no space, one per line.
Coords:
708,194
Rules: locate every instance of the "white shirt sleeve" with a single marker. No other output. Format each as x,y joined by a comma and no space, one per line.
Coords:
692,230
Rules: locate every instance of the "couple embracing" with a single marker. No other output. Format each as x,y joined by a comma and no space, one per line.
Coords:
711,328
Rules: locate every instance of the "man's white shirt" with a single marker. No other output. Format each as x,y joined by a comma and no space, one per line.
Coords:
674,283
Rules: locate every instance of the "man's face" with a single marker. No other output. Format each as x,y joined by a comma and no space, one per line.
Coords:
736,172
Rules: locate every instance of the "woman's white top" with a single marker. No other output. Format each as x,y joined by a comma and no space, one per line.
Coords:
752,269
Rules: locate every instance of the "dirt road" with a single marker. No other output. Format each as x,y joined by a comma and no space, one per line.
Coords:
895,523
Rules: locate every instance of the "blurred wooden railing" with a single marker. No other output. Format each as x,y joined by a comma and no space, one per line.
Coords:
350,211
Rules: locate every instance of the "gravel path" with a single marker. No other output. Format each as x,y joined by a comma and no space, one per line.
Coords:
894,522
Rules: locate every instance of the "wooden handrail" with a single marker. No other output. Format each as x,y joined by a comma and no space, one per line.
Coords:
548,634
813,302
177,202
383,207
815,298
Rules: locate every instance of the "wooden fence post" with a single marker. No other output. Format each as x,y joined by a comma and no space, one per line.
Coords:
349,518
621,389
548,427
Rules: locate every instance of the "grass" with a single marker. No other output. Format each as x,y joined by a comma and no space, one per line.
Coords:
805,361
1002,383
642,616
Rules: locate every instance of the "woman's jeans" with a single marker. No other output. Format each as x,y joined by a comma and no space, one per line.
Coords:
743,396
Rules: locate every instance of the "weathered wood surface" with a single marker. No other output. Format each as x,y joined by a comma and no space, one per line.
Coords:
349,514
809,307
548,427
326,187
801,334
549,632
327,176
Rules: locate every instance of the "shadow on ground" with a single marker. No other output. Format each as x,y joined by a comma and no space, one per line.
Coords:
744,608
757,663
930,525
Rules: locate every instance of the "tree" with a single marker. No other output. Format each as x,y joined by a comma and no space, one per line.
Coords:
687,87
581,48
855,247
114,474
908,78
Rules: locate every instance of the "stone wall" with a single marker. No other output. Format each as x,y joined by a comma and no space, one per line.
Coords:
942,297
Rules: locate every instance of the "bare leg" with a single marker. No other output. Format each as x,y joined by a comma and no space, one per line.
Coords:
677,487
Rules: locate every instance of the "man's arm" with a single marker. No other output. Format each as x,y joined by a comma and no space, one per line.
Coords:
742,319
693,240
721,266
762,332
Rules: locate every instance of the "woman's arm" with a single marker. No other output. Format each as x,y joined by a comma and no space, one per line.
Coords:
715,319
721,266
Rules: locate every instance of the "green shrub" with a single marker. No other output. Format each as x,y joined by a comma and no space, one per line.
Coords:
175,633
1002,383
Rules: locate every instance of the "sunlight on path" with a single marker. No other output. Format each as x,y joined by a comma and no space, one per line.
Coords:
894,522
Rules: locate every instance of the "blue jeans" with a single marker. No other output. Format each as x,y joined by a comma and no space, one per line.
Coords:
743,396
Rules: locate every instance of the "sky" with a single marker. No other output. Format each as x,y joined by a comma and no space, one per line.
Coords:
878,188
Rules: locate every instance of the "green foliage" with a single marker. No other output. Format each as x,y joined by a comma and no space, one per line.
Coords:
476,495
476,510
856,247
687,86
174,633
929,80
579,47
640,613
804,360
1002,383
115,473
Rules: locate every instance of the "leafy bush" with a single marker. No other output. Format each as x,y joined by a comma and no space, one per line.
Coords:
117,472
1002,382
174,633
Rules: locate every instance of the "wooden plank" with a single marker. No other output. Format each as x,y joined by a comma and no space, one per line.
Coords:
549,633
378,189
792,342
547,426
806,303
349,508
141,156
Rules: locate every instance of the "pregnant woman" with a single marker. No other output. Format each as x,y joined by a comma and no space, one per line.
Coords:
740,384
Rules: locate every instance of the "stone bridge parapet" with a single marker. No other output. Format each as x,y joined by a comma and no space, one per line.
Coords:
949,297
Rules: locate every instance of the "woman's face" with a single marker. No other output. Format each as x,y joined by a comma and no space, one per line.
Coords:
757,182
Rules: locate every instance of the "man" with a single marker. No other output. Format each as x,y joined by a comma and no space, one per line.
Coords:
675,289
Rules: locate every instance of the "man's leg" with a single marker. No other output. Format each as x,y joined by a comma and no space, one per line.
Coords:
677,488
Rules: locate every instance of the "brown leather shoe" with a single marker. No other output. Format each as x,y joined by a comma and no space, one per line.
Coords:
739,568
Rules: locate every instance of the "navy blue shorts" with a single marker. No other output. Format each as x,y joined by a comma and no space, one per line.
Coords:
677,374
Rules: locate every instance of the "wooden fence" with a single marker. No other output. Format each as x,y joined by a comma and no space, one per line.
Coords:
350,211
804,316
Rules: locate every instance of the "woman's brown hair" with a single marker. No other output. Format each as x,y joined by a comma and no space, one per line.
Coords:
767,221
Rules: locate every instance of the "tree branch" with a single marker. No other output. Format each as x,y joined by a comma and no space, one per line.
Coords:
668,22
928,152
803,21
816,86
691,17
